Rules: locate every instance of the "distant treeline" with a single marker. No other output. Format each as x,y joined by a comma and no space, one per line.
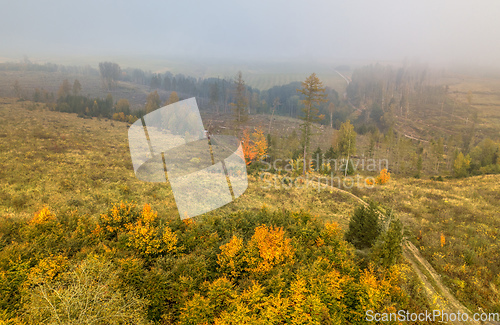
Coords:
87,106
384,101
48,67
70,100
216,94
212,94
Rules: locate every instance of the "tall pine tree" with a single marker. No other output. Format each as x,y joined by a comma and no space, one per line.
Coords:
314,94
241,101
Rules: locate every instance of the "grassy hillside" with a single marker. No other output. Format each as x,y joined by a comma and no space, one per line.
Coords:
466,213
66,162
484,96
78,169
62,225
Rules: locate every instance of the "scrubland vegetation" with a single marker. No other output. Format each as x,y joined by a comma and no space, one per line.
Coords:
83,241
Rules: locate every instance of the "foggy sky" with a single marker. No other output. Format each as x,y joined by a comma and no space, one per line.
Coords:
456,31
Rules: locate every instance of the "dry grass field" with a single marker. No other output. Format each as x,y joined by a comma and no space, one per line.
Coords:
60,160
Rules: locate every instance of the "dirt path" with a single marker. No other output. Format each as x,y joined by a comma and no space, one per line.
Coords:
438,294
345,78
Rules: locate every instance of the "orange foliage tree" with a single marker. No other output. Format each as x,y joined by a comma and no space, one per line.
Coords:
384,176
42,216
254,145
117,219
229,259
268,247
147,237
143,229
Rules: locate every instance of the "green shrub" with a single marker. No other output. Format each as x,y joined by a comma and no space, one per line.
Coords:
364,227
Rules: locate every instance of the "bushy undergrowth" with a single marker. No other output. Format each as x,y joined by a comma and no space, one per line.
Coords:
132,266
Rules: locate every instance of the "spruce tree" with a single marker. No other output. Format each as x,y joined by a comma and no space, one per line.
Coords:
364,227
388,251
241,100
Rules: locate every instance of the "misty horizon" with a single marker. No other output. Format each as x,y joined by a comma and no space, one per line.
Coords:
448,32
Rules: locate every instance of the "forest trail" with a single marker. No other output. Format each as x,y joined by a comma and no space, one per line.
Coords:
437,293
344,77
